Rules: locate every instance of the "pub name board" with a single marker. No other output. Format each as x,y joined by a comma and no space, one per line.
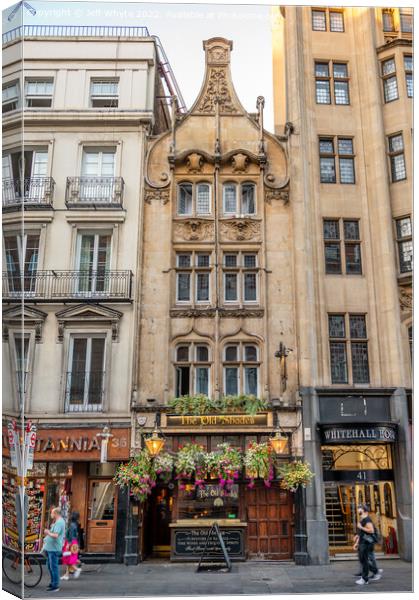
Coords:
350,434
217,420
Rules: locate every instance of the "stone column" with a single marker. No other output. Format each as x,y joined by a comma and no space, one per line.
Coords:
402,467
316,524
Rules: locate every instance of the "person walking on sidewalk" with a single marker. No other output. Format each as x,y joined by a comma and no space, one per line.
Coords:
71,548
365,539
53,543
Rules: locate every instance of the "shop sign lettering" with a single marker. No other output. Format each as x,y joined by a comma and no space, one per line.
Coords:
371,433
190,543
216,420
75,444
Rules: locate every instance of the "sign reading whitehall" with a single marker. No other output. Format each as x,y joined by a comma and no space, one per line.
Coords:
216,420
370,433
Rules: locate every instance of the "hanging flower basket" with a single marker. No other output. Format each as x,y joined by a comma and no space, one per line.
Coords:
224,464
258,463
163,466
295,474
190,463
138,475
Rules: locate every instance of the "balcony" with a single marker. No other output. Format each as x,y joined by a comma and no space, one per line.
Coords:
28,193
94,192
84,391
68,286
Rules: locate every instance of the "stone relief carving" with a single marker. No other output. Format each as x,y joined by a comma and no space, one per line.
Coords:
239,163
194,162
405,299
217,91
192,312
193,230
271,194
218,54
241,312
159,195
240,229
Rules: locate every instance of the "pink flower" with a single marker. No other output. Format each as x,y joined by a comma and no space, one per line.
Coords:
251,484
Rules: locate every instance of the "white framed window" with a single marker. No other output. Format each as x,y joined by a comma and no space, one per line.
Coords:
21,254
85,376
239,198
193,270
240,276
241,367
39,92
11,96
97,182
21,352
104,92
192,369
194,198
93,259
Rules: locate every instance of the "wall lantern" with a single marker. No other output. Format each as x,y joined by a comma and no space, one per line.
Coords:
156,441
279,441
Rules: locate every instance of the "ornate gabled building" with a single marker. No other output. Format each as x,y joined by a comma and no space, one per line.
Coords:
218,304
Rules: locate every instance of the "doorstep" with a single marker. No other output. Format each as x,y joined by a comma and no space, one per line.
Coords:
378,556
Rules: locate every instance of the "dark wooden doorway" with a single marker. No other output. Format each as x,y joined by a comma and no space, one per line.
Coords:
160,515
270,522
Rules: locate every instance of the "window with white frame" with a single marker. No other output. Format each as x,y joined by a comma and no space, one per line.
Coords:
192,369
193,198
11,96
104,92
193,270
241,366
98,174
239,198
21,357
21,253
396,156
408,70
404,244
85,376
38,92
240,271
93,257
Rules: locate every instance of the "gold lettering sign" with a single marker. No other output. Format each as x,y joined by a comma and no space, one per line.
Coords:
237,420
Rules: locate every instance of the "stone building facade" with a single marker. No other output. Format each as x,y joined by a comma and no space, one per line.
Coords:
343,84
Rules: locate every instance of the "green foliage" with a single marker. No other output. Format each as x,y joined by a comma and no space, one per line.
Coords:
295,474
202,405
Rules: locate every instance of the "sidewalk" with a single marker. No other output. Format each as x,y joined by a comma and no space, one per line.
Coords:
161,578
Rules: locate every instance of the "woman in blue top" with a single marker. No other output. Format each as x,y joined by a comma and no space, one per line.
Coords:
53,544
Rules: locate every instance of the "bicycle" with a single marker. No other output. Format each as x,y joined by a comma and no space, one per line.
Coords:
12,568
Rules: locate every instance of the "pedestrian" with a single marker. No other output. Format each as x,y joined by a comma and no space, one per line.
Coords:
53,543
364,541
71,548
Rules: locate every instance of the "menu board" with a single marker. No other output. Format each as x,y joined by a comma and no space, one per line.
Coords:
35,494
190,543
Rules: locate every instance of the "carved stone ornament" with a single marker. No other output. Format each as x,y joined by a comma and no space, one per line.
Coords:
204,313
271,194
158,195
218,55
193,230
241,312
405,299
32,317
85,313
217,90
240,229
194,162
239,163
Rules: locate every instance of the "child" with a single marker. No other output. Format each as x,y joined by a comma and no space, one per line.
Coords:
71,549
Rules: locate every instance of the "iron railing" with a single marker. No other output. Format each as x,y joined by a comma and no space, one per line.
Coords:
74,31
84,391
105,192
31,192
71,286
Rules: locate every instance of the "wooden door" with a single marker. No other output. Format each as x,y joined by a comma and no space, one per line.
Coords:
101,523
270,522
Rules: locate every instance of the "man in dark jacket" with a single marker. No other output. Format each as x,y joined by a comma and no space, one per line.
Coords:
364,543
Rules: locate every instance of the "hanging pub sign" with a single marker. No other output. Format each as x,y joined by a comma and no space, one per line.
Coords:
350,434
217,420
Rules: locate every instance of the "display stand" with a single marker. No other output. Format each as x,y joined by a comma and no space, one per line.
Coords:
214,555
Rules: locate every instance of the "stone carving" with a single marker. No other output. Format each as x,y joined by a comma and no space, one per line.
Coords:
271,194
153,194
239,162
240,229
194,163
241,312
217,90
193,230
217,54
192,312
405,299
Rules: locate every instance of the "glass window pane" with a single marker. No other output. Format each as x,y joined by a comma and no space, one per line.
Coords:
396,143
409,85
331,229
406,256
202,379
351,230
230,260
318,19
336,21
327,170
388,66
250,261
360,367
10,92
388,23
182,354
345,146
340,70
406,22
346,168
398,168
353,259
231,381
251,380
404,227
325,146
250,292
185,199
231,354
357,326
230,286
321,69
183,260
338,362
202,354
202,284
332,257
391,91
229,194
341,92
203,199
248,198
336,326
202,260
183,287
250,354
322,91
408,62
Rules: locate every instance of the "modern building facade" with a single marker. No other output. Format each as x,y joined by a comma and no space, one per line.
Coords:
87,98
343,85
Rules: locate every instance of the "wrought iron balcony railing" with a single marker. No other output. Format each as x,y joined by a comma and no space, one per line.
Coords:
103,192
68,286
84,391
31,192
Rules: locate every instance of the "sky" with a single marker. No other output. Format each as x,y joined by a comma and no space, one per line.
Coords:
181,29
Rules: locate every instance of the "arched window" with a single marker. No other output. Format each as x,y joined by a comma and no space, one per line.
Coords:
239,198
192,369
248,196
241,369
194,198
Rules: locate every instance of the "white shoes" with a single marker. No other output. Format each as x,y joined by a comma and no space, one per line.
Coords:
361,581
377,576
77,573
65,577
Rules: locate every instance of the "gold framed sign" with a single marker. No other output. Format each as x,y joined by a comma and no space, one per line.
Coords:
231,420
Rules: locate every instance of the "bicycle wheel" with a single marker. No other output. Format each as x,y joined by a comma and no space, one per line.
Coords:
32,573
12,567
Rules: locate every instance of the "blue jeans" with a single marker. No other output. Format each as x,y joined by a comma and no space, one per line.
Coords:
53,567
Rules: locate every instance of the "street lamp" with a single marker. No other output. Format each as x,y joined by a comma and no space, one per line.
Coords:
155,442
279,441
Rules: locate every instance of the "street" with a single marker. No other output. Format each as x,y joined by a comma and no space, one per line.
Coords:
161,578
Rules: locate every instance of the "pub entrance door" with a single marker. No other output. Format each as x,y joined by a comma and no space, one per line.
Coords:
160,517
270,522
101,523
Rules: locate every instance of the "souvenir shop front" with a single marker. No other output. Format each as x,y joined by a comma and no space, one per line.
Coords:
67,472
256,519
